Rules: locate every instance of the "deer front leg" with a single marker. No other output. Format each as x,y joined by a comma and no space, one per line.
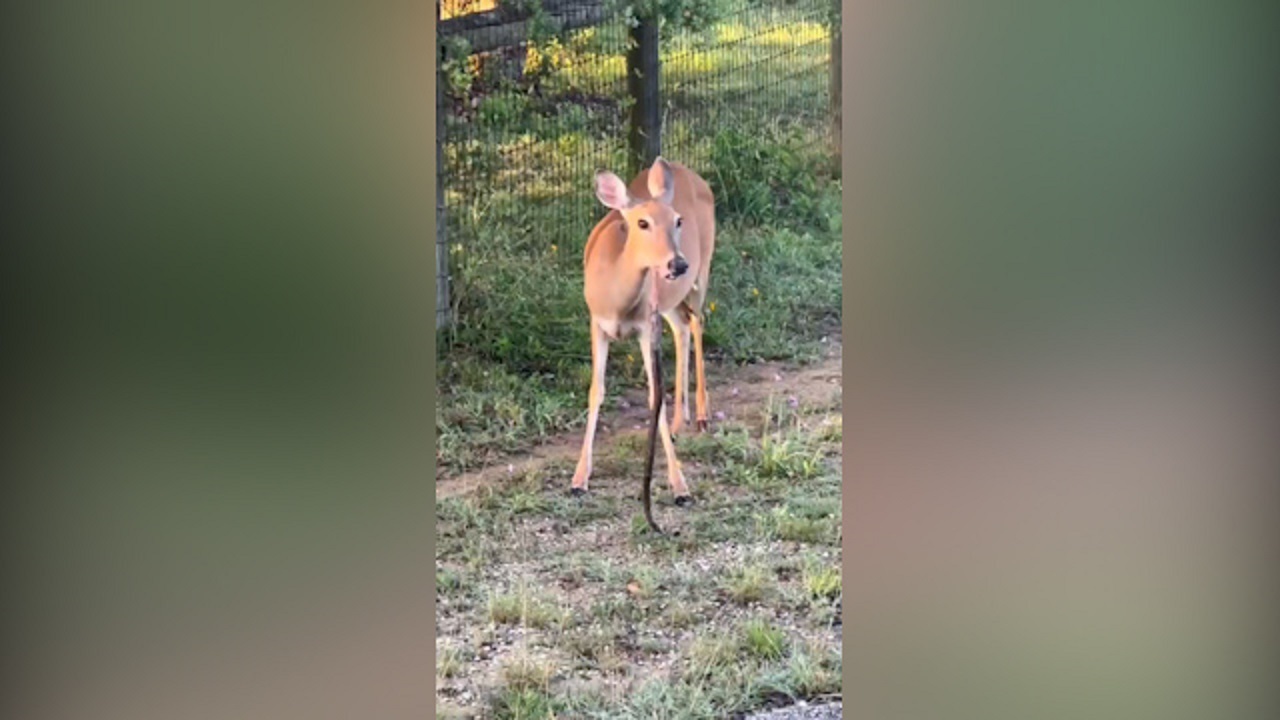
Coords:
680,332
695,324
675,477
599,357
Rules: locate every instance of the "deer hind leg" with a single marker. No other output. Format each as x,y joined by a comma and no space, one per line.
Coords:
700,403
679,322
674,476
599,357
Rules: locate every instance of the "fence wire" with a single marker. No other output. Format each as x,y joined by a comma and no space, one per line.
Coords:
526,126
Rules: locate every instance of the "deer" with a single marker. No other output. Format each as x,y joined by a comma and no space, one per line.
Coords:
651,253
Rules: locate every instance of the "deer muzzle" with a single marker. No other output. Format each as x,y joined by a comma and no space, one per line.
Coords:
677,267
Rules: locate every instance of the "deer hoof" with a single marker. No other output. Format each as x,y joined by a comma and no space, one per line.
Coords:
702,425
684,500
577,492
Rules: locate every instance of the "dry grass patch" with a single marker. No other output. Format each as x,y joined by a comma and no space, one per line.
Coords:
594,648
524,672
748,585
449,661
711,653
822,583
522,608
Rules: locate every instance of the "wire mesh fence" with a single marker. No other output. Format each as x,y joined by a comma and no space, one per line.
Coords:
533,106
763,67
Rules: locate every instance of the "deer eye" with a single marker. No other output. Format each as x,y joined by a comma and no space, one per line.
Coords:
644,224
679,222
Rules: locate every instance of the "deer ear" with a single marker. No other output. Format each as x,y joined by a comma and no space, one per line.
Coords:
611,191
662,184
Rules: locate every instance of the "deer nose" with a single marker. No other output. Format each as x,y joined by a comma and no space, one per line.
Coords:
677,267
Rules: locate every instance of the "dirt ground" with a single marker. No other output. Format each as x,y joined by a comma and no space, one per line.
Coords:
802,711
734,394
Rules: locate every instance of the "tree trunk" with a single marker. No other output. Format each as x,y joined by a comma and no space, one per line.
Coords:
643,68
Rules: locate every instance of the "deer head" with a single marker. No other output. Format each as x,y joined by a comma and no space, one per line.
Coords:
652,225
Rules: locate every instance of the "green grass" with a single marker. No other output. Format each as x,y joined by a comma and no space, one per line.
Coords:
448,581
762,640
525,704
723,673
788,525
810,670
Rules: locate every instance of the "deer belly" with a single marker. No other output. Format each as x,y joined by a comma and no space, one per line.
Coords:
610,328
614,330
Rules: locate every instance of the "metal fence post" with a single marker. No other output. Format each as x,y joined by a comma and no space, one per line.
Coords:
442,242
643,67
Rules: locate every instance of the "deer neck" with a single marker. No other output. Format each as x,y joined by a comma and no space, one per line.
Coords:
636,282
618,288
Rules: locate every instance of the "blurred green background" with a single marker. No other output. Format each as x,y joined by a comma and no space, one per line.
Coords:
218,458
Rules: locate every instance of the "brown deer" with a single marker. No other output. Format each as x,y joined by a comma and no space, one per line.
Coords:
653,248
